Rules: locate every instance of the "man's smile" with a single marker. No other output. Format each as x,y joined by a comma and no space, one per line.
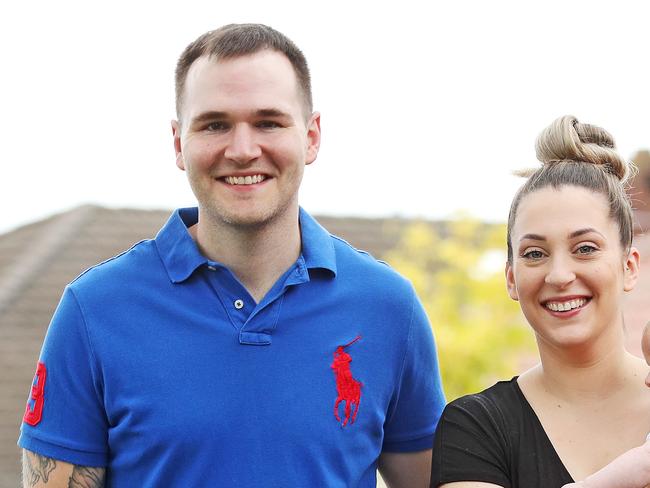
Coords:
244,180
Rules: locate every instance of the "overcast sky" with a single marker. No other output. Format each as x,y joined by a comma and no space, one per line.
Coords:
426,107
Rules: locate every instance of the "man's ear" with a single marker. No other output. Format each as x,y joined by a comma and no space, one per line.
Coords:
176,133
510,282
631,271
313,137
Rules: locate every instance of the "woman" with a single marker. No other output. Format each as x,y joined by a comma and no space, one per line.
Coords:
570,260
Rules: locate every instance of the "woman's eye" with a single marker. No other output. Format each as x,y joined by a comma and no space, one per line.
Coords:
533,254
586,249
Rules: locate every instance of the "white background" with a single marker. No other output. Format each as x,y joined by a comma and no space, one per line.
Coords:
426,107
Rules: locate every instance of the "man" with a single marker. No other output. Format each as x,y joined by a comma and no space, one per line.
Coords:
244,346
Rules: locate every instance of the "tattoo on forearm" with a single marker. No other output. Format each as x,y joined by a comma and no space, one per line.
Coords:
83,477
37,468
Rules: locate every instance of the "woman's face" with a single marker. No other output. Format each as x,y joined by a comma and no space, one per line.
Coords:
645,348
568,270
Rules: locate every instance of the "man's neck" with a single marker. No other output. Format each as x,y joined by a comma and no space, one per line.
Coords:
257,256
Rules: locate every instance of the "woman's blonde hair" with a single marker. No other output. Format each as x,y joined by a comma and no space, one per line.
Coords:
582,155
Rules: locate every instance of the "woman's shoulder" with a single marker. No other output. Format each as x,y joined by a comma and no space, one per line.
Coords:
494,436
502,394
494,412
473,439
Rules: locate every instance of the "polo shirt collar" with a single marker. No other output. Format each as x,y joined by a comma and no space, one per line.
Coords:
181,256
317,244
178,251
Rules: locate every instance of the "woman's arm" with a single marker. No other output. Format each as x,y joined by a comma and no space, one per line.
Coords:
470,484
630,470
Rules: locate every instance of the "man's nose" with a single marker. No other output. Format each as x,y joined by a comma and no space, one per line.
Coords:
243,146
560,272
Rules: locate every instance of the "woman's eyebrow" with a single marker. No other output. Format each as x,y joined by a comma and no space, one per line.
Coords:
584,231
572,235
534,237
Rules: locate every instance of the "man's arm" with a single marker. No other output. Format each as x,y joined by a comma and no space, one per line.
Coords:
43,472
406,469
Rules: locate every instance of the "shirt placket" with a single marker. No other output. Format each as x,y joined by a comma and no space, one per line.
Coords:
255,323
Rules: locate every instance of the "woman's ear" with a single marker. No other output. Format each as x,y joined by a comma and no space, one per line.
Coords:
631,271
510,282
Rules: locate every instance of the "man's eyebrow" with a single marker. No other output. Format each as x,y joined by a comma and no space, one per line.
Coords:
217,115
210,115
271,112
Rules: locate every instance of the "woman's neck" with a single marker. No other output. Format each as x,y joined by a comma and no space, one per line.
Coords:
590,372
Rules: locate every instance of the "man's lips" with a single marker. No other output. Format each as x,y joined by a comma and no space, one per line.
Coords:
244,180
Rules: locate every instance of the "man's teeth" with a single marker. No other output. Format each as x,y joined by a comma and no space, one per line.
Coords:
244,180
566,306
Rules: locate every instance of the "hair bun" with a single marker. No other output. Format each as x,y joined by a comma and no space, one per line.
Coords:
566,139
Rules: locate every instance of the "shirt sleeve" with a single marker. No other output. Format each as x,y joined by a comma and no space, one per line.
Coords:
413,415
70,423
470,444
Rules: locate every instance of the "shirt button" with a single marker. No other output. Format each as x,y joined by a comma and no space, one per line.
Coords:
212,268
239,304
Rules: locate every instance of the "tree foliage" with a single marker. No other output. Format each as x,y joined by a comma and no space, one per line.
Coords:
457,271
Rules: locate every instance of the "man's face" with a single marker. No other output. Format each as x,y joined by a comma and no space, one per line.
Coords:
244,139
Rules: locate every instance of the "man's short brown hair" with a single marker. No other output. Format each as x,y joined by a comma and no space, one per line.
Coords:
234,40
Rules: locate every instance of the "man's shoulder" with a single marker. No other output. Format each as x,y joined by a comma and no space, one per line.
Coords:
132,261
350,259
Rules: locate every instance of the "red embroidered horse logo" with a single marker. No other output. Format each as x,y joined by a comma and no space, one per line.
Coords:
348,389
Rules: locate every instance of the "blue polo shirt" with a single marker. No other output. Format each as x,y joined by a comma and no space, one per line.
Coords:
161,367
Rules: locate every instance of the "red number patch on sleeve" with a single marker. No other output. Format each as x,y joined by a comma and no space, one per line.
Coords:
34,409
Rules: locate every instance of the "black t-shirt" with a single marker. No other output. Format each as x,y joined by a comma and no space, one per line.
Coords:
495,437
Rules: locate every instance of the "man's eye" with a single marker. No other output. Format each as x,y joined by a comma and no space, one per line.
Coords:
268,124
216,126
533,254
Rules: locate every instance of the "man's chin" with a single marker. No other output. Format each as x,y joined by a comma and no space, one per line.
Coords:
249,217
251,220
